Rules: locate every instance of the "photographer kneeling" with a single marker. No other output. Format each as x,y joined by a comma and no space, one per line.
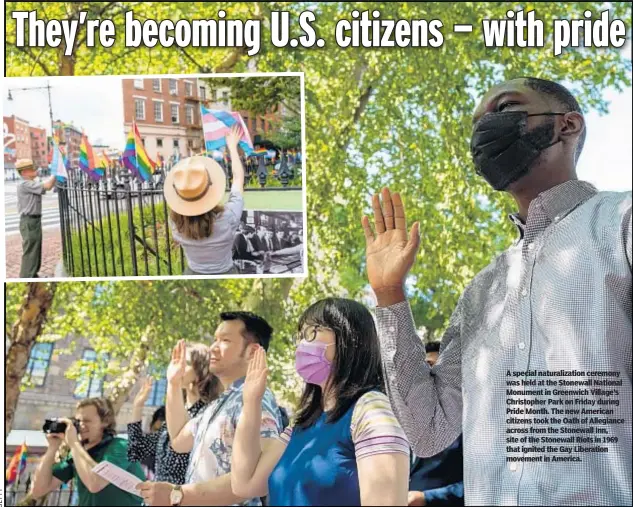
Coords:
91,441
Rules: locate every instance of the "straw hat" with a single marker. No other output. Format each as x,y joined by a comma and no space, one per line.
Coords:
194,186
24,163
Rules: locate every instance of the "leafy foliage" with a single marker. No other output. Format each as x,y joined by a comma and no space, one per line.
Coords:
374,117
261,95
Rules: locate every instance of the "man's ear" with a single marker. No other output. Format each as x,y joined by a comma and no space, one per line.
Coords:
250,351
573,124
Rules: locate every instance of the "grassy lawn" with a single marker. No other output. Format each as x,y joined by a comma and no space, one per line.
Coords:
274,200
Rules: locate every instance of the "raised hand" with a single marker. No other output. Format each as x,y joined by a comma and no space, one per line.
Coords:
233,138
178,364
143,394
390,251
256,376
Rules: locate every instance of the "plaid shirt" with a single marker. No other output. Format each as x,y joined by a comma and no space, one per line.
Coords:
558,299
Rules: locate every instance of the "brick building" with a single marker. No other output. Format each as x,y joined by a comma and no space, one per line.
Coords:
167,113
39,147
70,138
23,141
18,130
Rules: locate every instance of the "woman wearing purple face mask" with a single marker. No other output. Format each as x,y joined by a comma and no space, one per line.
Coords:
345,447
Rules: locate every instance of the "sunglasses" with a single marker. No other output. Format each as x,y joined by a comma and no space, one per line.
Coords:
308,334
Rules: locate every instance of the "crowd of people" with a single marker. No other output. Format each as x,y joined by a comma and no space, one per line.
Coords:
383,416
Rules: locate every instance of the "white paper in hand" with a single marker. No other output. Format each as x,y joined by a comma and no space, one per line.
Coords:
120,478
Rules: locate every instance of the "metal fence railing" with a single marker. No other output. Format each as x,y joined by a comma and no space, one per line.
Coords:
119,226
63,496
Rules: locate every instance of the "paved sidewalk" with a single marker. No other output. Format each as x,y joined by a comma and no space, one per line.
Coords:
51,253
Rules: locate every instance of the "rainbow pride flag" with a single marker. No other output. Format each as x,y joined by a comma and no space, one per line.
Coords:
17,464
87,161
260,152
217,124
103,164
135,158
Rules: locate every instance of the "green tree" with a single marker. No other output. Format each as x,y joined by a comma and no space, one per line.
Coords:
261,95
381,116
27,307
287,133
132,324
48,61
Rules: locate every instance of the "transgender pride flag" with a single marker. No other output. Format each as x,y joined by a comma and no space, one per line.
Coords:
57,166
217,125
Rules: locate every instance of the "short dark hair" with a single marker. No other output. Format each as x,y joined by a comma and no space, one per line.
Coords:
432,347
356,368
256,327
561,95
159,415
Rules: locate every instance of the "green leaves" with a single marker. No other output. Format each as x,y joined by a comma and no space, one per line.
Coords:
396,116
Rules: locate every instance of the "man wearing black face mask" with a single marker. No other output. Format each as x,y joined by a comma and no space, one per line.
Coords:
545,328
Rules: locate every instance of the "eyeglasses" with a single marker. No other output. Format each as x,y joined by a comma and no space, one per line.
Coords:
308,334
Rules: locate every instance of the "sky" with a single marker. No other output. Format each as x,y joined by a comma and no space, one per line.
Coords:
96,105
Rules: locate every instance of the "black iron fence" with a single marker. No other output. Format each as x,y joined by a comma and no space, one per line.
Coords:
119,226
20,496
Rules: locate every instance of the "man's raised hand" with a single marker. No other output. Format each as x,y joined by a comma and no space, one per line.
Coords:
390,250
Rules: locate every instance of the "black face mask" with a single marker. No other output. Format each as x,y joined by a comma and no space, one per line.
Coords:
502,148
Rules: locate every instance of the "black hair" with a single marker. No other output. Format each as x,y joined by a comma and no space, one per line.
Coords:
356,368
159,415
561,95
432,347
256,327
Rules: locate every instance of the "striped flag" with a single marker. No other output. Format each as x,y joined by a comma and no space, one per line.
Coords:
217,124
57,165
87,161
17,464
135,158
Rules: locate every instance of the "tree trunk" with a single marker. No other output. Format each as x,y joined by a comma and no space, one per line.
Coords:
122,387
24,332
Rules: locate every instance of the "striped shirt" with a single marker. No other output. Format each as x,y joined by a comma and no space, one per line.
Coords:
374,428
554,306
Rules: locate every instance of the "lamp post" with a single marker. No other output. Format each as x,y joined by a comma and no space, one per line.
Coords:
50,104
47,88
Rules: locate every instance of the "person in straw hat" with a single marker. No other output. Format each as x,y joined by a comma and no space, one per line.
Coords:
29,193
205,228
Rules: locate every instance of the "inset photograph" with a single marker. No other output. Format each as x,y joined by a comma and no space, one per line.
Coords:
154,176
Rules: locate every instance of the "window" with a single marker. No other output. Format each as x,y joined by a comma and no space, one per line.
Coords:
38,364
254,126
262,124
138,84
173,87
156,85
189,114
143,141
188,89
159,142
158,111
176,143
157,394
139,109
88,384
174,113
203,93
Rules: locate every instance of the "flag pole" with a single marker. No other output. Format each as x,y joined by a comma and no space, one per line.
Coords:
204,141
138,172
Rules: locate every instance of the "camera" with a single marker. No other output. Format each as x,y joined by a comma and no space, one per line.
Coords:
55,426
